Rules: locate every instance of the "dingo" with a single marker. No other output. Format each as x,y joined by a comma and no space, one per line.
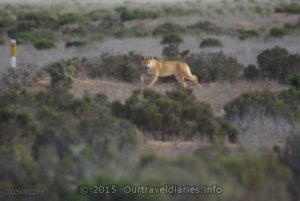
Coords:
162,68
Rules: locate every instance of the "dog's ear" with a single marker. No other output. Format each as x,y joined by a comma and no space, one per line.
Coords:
142,58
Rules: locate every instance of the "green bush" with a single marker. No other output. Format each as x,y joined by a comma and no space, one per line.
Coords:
258,102
52,134
171,51
168,27
278,64
38,19
177,114
293,8
204,26
7,19
43,43
284,105
214,66
40,39
127,13
248,33
171,38
279,31
295,81
123,67
61,73
76,41
251,72
211,42
71,18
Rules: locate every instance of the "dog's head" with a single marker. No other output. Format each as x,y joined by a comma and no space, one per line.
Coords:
147,62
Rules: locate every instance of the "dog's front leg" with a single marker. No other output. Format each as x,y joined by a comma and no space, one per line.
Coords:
154,79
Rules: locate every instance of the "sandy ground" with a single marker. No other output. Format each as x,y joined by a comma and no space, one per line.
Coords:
217,94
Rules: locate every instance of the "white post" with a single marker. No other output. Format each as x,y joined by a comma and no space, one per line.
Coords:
13,53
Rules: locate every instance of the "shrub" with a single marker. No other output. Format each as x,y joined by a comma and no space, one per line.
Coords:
43,43
40,39
123,67
211,42
248,33
171,51
70,18
171,38
279,32
289,8
52,134
284,105
76,41
204,26
38,19
168,27
258,102
251,72
278,64
214,66
176,114
295,81
61,73
7,19
23,76
127,13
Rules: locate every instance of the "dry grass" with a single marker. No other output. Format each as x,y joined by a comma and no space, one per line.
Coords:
173,149
217,94
259,132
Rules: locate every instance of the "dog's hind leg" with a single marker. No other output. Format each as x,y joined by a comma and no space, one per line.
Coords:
180,79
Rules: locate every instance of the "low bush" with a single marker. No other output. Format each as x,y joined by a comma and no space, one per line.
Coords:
171,38
76,41
279,31
211,42
52,134
171,51
295,81
278,64
284,105
127,13
38,19
123,67
71,18
204,26
7,19
176,114
293,8
251,72
62,73
214,66
168,27
40,39
248,33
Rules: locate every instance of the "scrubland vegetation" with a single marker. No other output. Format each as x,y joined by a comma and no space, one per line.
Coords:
54,141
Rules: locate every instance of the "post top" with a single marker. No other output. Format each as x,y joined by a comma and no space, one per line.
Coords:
12,40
